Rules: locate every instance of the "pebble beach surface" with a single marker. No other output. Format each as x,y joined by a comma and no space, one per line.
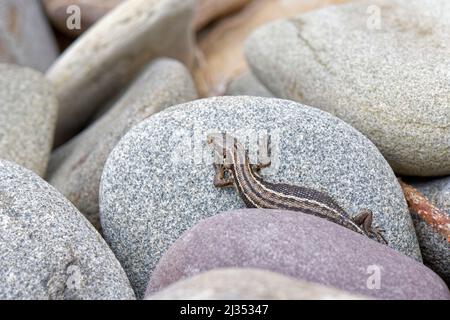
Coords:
107,183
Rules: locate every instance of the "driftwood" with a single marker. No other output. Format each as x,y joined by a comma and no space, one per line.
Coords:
426,211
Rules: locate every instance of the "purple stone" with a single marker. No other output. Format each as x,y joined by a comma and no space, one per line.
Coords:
301,246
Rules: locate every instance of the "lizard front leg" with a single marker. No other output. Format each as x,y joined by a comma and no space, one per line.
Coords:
257,167
264,154
266,162
220,180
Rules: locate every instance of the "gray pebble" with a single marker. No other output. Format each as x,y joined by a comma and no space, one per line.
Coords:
158,180
28,111
382,66
76,167
48,250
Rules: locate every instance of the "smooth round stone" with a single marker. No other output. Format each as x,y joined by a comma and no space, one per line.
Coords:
382,66
28,111
108,56
158,180
435,248
301,246
247,85
76,167
247,284
25,35
48,250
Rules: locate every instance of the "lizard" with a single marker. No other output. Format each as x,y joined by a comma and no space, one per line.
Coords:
233,168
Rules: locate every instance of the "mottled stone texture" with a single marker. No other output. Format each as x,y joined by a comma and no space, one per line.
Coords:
301,246
48,250
248,284
158,180
76,167
382,66
28,111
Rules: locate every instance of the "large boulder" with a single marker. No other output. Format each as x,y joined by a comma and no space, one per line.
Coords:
380,65
48,250
298,245
158,180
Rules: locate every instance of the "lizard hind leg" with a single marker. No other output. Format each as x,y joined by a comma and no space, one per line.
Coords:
365,220
377,232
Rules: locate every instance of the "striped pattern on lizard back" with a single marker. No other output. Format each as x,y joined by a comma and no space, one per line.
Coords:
257,193
234,168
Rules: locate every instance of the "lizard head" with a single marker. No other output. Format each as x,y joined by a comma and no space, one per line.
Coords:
221,143
224,145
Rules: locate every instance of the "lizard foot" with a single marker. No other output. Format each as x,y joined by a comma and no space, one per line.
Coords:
377,233
364,220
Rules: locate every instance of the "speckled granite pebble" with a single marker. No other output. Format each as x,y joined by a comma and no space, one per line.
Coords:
158,180
110,54
28,111
26,37
380,65
76,167
301,246
248,284
247,85
48,250
435,248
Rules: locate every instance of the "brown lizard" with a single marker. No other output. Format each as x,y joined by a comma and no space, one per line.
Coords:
233,167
